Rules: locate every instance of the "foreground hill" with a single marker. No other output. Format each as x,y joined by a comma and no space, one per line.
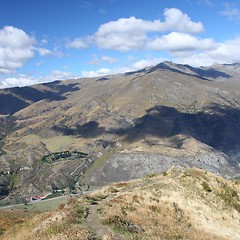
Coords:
179,204
129,124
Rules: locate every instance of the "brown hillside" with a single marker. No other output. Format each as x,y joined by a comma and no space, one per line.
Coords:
174,114
179,204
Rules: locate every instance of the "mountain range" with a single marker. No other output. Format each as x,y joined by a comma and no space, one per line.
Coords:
129,125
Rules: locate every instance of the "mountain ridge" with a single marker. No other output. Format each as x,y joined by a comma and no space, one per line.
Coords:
54,90
174,111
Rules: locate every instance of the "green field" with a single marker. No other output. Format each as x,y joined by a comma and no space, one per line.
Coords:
54,144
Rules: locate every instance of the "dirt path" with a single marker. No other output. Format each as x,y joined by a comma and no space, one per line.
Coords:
77,167
101,232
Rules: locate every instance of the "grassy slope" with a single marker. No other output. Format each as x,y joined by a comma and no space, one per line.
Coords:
97,164
189,204
54,144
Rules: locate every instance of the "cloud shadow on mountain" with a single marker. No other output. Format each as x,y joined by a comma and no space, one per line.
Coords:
216,126
208,73
102,79
87,130
15,99
60,89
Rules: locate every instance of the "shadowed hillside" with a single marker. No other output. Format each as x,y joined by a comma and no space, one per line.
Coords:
216,126
15,99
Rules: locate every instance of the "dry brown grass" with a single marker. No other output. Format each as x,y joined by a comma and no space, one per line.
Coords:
66,223
176,206
9,219
179,204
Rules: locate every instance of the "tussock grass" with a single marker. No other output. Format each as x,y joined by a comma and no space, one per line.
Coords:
67,222
179,204
176,205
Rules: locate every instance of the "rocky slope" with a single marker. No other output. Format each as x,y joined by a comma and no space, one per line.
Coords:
149,120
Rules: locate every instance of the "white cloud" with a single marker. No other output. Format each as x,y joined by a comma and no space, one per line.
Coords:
17,81
102,10
60,75
108,59
39,63
131,58
180,42
103,59
133,67
127,34
44,41
176,20
16,47
231,12
225,52
43,51
194,51
98,73
121,42
22,80
146,63
78,43
56,52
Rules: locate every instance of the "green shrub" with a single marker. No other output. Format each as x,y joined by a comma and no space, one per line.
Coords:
228,194
1,231
230,197
206,187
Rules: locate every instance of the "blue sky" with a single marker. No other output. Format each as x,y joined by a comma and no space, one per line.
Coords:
47,40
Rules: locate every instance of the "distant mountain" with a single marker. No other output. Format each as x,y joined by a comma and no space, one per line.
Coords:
15,99
129,124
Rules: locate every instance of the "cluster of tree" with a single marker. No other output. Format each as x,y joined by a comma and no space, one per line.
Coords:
52,157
